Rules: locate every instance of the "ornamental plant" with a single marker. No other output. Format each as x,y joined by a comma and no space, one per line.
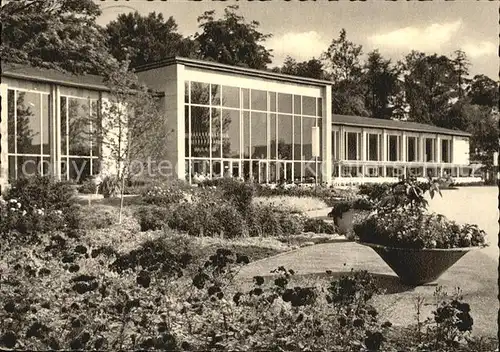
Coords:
401,220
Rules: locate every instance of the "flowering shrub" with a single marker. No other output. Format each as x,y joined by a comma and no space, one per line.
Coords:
239,193
414,229
162,195
37,205
401,221
152,217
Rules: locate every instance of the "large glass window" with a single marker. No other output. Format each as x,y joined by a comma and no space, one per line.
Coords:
266,126
352,143
79,149
28,145
393,148
373,147
411,149
200,93
430,149
231,133
307,131
200,131
308,106
445,151
273,147
246,135
285,103
285,137
215,134
336,145
258,132
230,97
259,100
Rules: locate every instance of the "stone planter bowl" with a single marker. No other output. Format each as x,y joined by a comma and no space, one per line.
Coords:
419,266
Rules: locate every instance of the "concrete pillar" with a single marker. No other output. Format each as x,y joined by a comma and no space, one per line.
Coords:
4,158
55,132
327,136
384,152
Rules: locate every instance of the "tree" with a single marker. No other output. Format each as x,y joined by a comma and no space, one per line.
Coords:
430,86
381,80
485,131
461,63
132,126
343,59
343,66
483,91
311,69
61,34
143,39
231,40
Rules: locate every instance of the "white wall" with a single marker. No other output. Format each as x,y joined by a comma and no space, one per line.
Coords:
460,154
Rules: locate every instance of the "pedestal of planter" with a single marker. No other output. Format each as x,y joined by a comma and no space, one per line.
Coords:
419,266
344,223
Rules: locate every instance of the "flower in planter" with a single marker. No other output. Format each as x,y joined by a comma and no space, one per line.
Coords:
401,220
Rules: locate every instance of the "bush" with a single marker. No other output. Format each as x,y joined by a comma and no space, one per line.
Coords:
263,221
162,195
238,192
153,258
87,187
152,217
110,186
97,217
37,205
319,226
208,218
41,192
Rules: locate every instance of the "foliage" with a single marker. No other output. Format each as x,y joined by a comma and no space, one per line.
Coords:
374,191
311,69
343,66
55,34
87,187
401,220
36,205
413,229
146,39
110,186
153,258
41,192
238,192
381,80
97,217
152,217
162,195
341,207
329,195
430,84
319,226
231,40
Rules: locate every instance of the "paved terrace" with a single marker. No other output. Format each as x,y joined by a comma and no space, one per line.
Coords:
476,273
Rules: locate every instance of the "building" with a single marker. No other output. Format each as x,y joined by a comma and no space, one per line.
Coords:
224,121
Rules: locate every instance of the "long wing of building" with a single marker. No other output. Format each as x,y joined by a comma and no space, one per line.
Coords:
225,121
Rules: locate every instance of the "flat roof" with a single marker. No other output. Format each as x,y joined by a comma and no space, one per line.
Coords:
45,75
244,71
360,121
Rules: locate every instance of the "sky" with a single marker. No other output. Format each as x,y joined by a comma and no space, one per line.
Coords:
304,29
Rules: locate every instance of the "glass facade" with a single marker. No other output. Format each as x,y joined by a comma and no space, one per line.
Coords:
79,147
249,133
30,133
28,127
